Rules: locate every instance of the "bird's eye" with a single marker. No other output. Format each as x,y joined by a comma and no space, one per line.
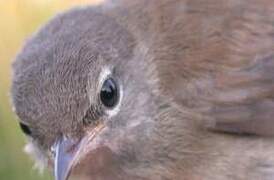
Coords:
109,93
25,129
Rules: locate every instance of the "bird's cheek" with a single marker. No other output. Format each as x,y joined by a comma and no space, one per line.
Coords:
100,163
100,157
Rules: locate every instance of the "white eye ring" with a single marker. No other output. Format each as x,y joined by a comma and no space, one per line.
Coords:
104,75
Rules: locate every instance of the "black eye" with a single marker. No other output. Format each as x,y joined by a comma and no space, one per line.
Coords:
25,129
109,93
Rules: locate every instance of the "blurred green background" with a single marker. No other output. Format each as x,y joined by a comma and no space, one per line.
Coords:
18,19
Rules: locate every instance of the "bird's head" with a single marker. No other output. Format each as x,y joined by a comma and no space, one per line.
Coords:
86,96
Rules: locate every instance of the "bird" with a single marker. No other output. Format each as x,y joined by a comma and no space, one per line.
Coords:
151,90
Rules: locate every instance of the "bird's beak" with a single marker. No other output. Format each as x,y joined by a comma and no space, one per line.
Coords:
65,150
69,152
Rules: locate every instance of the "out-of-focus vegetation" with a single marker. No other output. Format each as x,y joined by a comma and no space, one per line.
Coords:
18,19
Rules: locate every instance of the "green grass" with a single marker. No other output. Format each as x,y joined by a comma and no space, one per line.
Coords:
18,19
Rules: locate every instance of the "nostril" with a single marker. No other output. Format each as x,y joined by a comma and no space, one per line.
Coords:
91,116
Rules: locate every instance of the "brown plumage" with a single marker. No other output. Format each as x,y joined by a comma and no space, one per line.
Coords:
194,81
